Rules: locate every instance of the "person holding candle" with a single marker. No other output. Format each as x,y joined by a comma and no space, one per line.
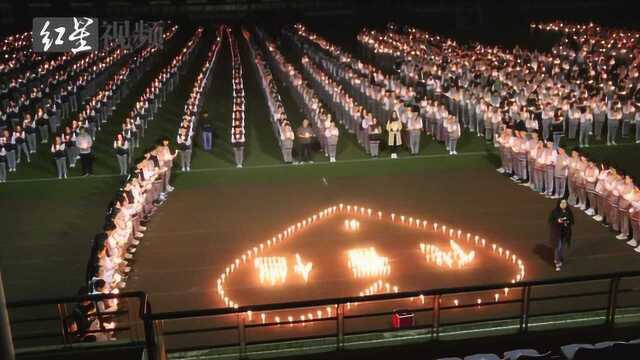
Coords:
394,127
586,126
59,155
85,144
614,116
286,137
332,134
305,137
237,141
121,147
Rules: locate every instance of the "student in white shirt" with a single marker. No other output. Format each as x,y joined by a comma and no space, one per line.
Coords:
59,155
586,127
414,126
331,133
287,137
453,134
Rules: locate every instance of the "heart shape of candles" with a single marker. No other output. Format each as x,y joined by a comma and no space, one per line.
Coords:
460,250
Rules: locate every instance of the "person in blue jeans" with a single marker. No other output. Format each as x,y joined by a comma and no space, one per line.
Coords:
207,133
560,221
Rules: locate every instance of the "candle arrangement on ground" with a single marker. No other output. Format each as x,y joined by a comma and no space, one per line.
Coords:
458,253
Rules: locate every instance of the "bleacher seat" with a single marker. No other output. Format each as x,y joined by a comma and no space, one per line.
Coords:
482,357
569,351
522,354
538,357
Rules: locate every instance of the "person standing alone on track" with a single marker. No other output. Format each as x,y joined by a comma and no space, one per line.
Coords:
560,222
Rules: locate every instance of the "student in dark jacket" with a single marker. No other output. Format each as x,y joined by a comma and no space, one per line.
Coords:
207,132
560,222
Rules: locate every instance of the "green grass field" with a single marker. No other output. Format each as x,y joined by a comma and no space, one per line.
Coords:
48,224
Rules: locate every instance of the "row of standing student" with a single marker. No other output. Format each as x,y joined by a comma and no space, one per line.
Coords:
114,247
238,110
600,190
282,128
193,106
304,95
149,103
94,111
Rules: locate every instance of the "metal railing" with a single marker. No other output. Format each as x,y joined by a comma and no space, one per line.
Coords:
357,320
49,329
601,297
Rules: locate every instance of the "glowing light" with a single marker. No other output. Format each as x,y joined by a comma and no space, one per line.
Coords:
365,262
352,225
456,257
303,269
271,270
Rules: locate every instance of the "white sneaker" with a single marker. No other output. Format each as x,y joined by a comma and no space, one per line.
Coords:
394,156
598,218
500,170
170,188
184,169
622,237
455,153
450,152
637,249
332,160
238,166
590,212
188,168
139,235
632,242
583,207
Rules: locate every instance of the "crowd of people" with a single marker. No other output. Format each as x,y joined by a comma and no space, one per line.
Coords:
237,115
600,190
149,103
113,249
62,102
282,127
307,100
588,85
193,106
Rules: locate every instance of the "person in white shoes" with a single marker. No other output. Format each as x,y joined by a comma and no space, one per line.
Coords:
549,157
601,194
394,128
332,133
561,172
613,196
580,183
625,191
634,217
590,180
453,134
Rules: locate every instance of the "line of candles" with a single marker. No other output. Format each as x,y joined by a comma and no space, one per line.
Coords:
356,210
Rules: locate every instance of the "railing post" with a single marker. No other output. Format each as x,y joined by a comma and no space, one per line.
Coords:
435,327
524,310
613,300
63,325
6,340
339,326
149,331
242,336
